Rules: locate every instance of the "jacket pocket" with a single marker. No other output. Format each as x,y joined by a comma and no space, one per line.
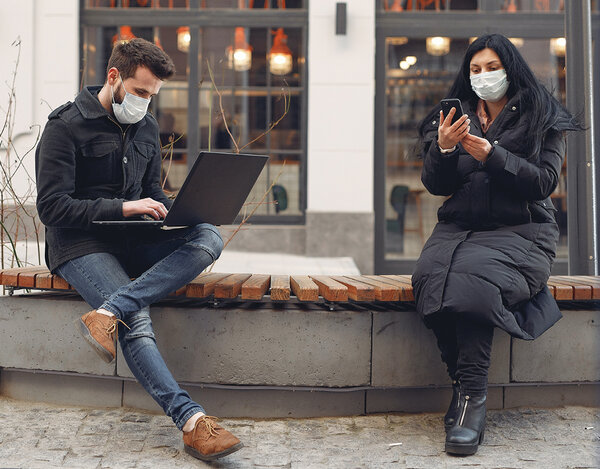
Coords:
96,165
141,156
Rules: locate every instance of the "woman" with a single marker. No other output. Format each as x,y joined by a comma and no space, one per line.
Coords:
489,257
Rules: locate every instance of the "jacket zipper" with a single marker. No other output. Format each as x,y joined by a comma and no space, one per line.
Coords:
462,417
123,139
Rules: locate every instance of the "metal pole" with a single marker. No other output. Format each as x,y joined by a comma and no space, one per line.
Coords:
581,188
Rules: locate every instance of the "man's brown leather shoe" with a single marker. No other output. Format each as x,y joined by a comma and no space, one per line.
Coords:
208,440
100,330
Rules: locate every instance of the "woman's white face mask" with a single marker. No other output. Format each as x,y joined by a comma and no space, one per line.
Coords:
132,109
490,86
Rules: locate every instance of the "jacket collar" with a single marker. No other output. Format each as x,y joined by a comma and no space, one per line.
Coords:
88,104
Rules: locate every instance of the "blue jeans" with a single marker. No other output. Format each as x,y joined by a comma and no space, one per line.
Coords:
162,261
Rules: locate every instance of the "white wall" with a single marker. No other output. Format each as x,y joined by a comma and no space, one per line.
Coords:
47,73
341,89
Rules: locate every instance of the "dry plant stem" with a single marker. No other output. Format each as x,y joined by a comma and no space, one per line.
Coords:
15,162
170,149
212,79
286,108
247,217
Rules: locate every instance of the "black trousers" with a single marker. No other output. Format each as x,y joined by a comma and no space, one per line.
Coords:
466,348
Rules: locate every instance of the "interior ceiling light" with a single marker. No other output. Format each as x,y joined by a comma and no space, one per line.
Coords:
183,38
558,46
437,45
240,54
124,35
280,56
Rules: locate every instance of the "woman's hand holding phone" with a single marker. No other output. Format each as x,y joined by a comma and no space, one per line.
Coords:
450,134
479,148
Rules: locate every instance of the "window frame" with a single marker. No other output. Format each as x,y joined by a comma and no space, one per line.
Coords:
196,18
455,24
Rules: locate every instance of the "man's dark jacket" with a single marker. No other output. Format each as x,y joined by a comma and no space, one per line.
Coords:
491,253
87,165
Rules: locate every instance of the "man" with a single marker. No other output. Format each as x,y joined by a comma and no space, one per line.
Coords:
99,158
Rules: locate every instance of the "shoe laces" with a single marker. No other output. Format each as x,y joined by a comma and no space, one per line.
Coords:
113,327
210,423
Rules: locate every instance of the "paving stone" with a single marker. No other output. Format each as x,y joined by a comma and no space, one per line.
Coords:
59,436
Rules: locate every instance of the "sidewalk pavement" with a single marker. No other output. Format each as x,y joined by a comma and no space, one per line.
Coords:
36,435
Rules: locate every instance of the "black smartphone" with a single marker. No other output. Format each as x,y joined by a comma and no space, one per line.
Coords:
448,104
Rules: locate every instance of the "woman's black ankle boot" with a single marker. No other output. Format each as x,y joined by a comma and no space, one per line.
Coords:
467,432
452,413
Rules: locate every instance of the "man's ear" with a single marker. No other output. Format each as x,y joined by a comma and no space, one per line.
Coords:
112,76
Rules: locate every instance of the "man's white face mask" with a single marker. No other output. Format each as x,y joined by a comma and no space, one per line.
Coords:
490,86
132,109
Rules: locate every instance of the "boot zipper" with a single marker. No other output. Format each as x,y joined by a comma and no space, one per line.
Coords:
462,417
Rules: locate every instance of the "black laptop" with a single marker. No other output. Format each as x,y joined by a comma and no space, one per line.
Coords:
213,192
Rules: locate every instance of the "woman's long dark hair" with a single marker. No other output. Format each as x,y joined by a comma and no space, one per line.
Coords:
544,110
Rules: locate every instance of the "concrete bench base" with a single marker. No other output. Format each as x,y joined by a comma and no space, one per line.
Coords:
278,360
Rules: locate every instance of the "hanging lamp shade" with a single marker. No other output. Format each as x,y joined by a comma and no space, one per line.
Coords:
437,45
280,56
124,36
240,54
183,38
558,46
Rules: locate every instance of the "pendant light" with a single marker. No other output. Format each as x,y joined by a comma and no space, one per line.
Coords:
558,46
280,55
240,54
437,45
124,36
183,38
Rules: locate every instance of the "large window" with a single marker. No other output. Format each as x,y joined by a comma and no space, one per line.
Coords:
239,85
420,45
418,75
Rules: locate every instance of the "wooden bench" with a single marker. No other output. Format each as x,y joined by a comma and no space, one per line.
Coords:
291,345
303,288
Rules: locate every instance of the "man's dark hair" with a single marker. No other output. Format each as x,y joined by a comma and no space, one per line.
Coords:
128,56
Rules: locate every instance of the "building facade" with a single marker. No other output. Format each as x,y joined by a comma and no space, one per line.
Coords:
331,91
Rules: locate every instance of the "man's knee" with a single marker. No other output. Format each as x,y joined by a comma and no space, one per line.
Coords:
207,237
139,325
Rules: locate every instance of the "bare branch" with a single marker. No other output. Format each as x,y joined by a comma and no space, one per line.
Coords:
212,79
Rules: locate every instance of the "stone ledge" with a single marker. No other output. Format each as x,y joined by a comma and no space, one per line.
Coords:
383,355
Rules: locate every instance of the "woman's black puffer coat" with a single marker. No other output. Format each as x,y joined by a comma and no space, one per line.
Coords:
490,255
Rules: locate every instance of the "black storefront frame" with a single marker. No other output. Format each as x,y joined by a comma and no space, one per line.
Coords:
460,24
195,18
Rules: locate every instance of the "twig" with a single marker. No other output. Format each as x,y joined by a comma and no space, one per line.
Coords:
212,79
287,101
247,217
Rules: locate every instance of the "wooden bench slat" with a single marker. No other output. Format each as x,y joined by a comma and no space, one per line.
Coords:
231,286
593,283
255,287
304,288
561,292
204,284
59,283
10,277
44,280
280,287
27,279
383,291
406,290
330,289
181,292
357,290
580,292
